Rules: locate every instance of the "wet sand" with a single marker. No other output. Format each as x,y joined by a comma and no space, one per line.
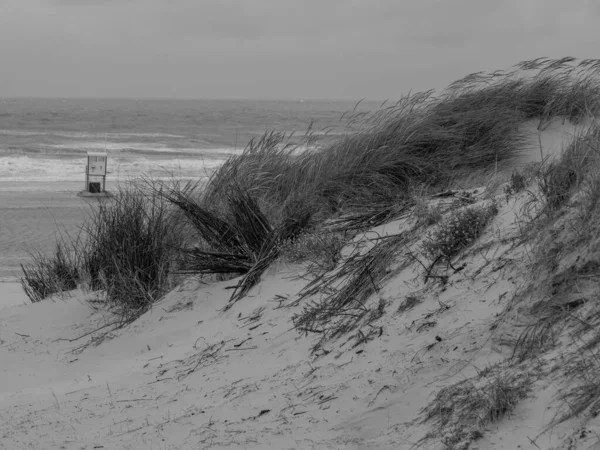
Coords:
12,294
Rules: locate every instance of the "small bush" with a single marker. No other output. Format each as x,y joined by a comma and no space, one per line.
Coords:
458,231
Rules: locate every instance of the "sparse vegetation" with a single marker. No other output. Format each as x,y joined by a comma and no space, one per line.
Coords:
346,290
581,395
565,256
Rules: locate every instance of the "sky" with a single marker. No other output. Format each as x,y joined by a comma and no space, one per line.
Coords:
277,49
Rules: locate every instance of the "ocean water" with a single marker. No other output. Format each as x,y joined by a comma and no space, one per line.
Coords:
43,146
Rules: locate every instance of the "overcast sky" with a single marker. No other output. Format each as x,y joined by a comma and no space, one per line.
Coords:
334,49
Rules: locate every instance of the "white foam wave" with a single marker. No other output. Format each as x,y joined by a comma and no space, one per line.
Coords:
86,135
23,169
115,147
9,279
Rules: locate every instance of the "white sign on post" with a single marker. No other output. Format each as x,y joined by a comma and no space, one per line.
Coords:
97,164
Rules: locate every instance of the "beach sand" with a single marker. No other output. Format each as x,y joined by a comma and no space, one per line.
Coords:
11,294
187,375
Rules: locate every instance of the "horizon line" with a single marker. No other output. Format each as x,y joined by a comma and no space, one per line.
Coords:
266,99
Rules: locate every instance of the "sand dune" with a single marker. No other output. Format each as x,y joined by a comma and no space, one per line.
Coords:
188,376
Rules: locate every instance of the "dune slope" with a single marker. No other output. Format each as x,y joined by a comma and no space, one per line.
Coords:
436,367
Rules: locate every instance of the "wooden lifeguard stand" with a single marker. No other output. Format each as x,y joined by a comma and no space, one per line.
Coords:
95,173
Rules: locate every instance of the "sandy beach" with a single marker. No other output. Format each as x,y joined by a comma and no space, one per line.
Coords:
11,294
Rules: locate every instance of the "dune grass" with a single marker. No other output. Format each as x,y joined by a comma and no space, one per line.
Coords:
130,245
345,292
566,273
125,248
283,185
425,138
46,275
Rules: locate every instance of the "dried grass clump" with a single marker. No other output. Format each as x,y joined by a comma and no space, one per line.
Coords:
458,231
461,412
128,250
227,241
235,238
47,275
125,248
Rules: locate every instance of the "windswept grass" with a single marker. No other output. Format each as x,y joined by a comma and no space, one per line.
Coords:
425,138
282,185
236,237
225,243
566,276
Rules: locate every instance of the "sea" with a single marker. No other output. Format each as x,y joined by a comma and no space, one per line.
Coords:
44,143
